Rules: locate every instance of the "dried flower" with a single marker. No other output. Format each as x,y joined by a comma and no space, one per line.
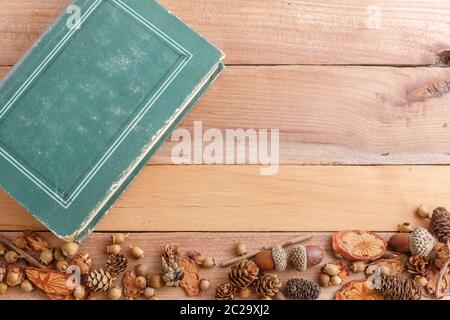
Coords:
418,265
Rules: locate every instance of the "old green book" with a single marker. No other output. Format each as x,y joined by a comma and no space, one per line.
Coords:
90,103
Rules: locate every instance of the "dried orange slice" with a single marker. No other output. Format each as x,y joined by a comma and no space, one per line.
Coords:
358,245
357,290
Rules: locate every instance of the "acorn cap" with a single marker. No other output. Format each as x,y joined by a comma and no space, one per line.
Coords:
280,258
421,242
299,258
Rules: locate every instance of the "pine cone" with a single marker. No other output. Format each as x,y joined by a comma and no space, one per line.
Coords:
396,288
243,273
116,264
225,291
418,265
84,262
301,289
440,221
2,272
171,272
99,280
268,285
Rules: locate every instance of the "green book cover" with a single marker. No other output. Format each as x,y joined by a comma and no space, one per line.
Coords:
90,103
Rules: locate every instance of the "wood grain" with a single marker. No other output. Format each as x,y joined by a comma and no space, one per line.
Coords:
217,245
409,32
238,198
333,115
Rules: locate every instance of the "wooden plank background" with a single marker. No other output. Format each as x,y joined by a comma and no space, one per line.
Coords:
358,89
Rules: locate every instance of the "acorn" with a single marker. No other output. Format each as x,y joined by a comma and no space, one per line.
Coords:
3,288
11,256
405,227
70,249
62,265
324,279
155,281
26,286
115,293
358,266
245,293
149,292
421,242
119,238
305,256
79,292
275,259
136,252
141,282
208,263
46,256
114,249
423,212
399,242
141,270
204,285
331,269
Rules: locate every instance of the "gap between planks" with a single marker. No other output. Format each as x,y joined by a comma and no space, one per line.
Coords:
238,198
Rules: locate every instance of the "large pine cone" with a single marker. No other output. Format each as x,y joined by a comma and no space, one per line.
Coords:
116,264
225,291
243,273
99,280
440,222
268,285
418,265
396,288
301,289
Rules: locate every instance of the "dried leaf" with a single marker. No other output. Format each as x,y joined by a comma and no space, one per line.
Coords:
49,281
344,270
35,241
191,280
357,290
130,290
432,278
359,245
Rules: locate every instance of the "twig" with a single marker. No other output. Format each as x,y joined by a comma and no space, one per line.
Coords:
286,243
442,274
21,253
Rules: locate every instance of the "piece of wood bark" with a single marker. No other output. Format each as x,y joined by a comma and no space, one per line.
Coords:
277,32
238,198
332,115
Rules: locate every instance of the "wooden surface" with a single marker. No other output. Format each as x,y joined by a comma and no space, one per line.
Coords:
355,83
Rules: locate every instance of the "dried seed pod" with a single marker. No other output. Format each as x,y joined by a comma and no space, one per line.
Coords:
114,249
115,293
421,242
70,249
2,249
35,241
324,279
209,263
335,280
331,269
245,293
358,266
84,262
11,256
305,256
20,242
405,227
62,265
14,276
3,288
141,270
149,292
301,289
136,252
155,281
119,238
399,242
141,282
58,254
423,212
357,245
204,285
46,257
26,286
241,249
79,292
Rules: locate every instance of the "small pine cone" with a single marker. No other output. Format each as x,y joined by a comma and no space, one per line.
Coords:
2,272
301,289
84,262
99,280
440,222
268,285
396,288
243,273
225,291
418,265
116,264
